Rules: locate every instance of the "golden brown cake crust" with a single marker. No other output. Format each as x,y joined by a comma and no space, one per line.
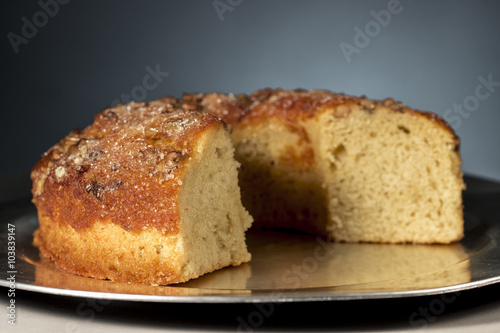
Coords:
292,105
130,157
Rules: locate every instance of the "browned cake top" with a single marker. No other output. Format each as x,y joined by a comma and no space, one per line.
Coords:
126,167
291,105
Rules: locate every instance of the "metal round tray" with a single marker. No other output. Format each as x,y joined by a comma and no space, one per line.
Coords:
285,267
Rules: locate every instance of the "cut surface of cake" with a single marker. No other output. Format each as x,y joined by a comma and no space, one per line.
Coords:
350,168
147,194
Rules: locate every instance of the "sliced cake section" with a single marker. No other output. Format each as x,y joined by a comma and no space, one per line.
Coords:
147,194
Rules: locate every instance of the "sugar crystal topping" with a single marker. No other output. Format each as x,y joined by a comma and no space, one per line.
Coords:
126,167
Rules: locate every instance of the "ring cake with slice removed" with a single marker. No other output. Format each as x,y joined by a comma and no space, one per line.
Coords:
350,168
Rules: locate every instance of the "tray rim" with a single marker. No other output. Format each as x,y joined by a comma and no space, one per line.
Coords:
259,295
475,186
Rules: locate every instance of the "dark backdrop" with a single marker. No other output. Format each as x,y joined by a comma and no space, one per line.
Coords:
64,61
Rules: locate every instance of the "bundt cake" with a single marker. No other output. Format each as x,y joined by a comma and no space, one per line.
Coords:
350,168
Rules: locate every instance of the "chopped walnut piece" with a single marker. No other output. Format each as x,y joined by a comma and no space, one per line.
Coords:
95,154
60,172
189,106
56,154
110,114
115,184
367,105
95,189
395,105
173,158
342,110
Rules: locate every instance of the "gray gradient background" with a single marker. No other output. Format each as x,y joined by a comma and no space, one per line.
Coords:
429,56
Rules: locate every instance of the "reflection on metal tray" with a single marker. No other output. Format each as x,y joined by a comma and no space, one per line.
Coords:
293,267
